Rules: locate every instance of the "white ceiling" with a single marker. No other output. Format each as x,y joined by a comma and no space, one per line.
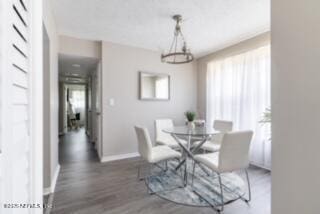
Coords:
208,25
75,69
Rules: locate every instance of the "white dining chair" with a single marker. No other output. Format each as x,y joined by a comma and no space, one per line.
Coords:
232,156
152,154
213,145
163,138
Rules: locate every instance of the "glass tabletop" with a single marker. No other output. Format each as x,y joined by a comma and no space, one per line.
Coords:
197,131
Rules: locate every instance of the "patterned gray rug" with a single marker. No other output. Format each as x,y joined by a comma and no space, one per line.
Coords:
169,185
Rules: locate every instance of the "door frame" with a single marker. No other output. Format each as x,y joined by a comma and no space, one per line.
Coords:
36,108
95,85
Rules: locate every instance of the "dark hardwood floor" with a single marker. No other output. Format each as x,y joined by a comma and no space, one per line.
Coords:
87,186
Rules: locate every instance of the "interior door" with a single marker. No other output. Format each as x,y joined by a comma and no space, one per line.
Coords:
2,17
89,118
98,120
93,135
16,160
16,156
65,108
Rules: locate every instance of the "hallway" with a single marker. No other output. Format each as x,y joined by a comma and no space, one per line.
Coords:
87,186
75,147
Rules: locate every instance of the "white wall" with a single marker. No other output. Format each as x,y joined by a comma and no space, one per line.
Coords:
295,106
79,47
54,101
120,67
241,47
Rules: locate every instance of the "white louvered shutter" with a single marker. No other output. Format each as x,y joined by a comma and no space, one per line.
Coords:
1,107
15,105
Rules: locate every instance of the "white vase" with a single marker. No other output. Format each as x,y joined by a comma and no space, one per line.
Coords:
191,125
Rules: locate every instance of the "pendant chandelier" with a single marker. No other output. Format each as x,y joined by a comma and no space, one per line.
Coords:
178,52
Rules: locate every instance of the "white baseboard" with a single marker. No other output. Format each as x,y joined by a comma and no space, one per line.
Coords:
49,190
118,157
55,178
46,191
260,166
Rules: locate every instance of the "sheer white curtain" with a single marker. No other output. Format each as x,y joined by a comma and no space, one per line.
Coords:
238,89
77,98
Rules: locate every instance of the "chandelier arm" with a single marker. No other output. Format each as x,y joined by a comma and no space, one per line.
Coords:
175,49
182,36
172,44
179,31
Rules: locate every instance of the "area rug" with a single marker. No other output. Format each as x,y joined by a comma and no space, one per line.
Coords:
205,191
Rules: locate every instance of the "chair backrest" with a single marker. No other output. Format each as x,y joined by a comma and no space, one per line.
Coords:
144,142
161,124
223,126
234,150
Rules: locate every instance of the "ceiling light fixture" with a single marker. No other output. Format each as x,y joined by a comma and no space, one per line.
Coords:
178,52
76,65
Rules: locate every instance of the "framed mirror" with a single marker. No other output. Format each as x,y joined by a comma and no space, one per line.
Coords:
154,86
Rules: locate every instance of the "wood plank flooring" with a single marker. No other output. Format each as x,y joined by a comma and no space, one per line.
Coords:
87,186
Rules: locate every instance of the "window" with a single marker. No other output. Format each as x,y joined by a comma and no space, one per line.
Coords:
78,99
238,89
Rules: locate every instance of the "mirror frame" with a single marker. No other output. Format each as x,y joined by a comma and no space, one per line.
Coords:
154,99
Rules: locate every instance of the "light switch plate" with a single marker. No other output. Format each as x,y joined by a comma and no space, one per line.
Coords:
111,102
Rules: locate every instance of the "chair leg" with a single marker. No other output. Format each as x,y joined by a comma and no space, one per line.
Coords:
139,172
249,186
138,176
148,178
221,192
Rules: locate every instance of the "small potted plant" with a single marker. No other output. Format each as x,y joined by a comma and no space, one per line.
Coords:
266,118
190,115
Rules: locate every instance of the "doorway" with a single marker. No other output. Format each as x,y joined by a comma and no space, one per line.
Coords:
79,104
76,106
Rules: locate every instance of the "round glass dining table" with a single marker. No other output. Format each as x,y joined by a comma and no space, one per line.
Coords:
203,190
191,135
198,131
